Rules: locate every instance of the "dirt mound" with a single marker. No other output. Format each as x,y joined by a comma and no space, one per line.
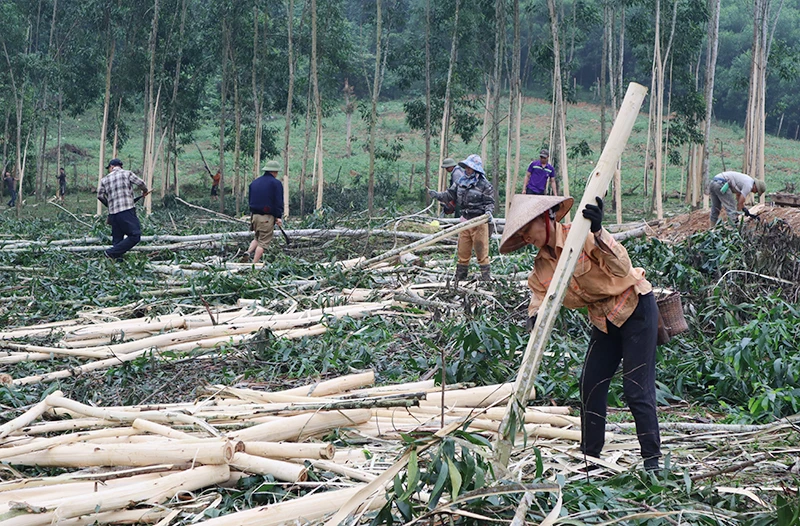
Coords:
677,228
66,150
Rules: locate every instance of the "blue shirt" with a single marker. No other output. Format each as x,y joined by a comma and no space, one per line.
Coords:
539,176
266,196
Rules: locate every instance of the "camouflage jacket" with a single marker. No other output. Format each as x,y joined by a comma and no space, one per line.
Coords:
474,197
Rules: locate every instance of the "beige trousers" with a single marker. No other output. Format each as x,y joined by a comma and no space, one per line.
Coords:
476,239
264,228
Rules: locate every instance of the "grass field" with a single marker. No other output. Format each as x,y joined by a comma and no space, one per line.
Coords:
403,191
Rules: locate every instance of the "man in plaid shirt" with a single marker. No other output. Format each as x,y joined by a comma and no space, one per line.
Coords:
116,192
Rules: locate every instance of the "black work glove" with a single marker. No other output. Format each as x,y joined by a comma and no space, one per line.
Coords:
747,213
432,193
595,215
530,323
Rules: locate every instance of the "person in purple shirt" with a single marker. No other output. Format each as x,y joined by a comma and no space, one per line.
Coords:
538,174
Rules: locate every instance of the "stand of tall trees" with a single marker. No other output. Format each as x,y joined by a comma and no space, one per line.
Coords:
169,67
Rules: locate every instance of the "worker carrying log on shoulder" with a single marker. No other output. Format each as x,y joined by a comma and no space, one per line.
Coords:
473,195
621,307
722,189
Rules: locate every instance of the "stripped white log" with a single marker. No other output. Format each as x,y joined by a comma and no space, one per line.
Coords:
81,455
279,469
128,416
151,492
289,450
411,387
28,416
304,510
333,467
483,396
426,240
494,413
67,488
137,516
334,386
39,444
60,426
146,426
298,427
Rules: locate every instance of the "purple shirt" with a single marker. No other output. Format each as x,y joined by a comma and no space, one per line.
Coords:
539,176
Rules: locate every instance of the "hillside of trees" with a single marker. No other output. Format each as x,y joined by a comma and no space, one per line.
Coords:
155,72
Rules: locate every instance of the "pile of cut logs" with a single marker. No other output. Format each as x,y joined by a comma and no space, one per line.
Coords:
97,342
146,463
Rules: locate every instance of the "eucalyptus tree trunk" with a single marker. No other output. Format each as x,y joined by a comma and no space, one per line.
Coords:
560,121
172,148
754,123
373,116
304,169
604,73
512,163
487,109
104,125
499,40
152,110
658,196
20,167
444,135
40,168
349,108
428,99
289,99
257,107
116,128
237,142
618,91
58,139
318,150
223,99
6,140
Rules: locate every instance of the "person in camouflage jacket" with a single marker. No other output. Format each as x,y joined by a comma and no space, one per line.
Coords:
474,196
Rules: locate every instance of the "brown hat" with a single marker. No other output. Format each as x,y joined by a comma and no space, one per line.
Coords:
759,187
526,208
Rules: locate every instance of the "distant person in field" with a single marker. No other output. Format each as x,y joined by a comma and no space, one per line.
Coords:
266,209
540,173
729,190
62,184
474,196
116,192
11,186
215,179
456,173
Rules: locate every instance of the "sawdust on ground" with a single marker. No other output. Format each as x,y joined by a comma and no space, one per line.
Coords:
677,228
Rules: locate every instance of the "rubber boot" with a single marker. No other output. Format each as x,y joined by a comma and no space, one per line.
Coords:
485,274
461,273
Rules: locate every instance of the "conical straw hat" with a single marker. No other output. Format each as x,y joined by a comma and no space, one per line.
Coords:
526,208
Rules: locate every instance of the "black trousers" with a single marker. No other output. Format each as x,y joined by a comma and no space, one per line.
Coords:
125,232
634,344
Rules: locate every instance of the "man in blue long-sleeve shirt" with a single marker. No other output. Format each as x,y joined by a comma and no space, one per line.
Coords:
266,209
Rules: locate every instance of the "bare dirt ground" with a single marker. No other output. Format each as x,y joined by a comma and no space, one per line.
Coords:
678,228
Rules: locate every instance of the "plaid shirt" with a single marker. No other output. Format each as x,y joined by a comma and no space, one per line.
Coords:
117,189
